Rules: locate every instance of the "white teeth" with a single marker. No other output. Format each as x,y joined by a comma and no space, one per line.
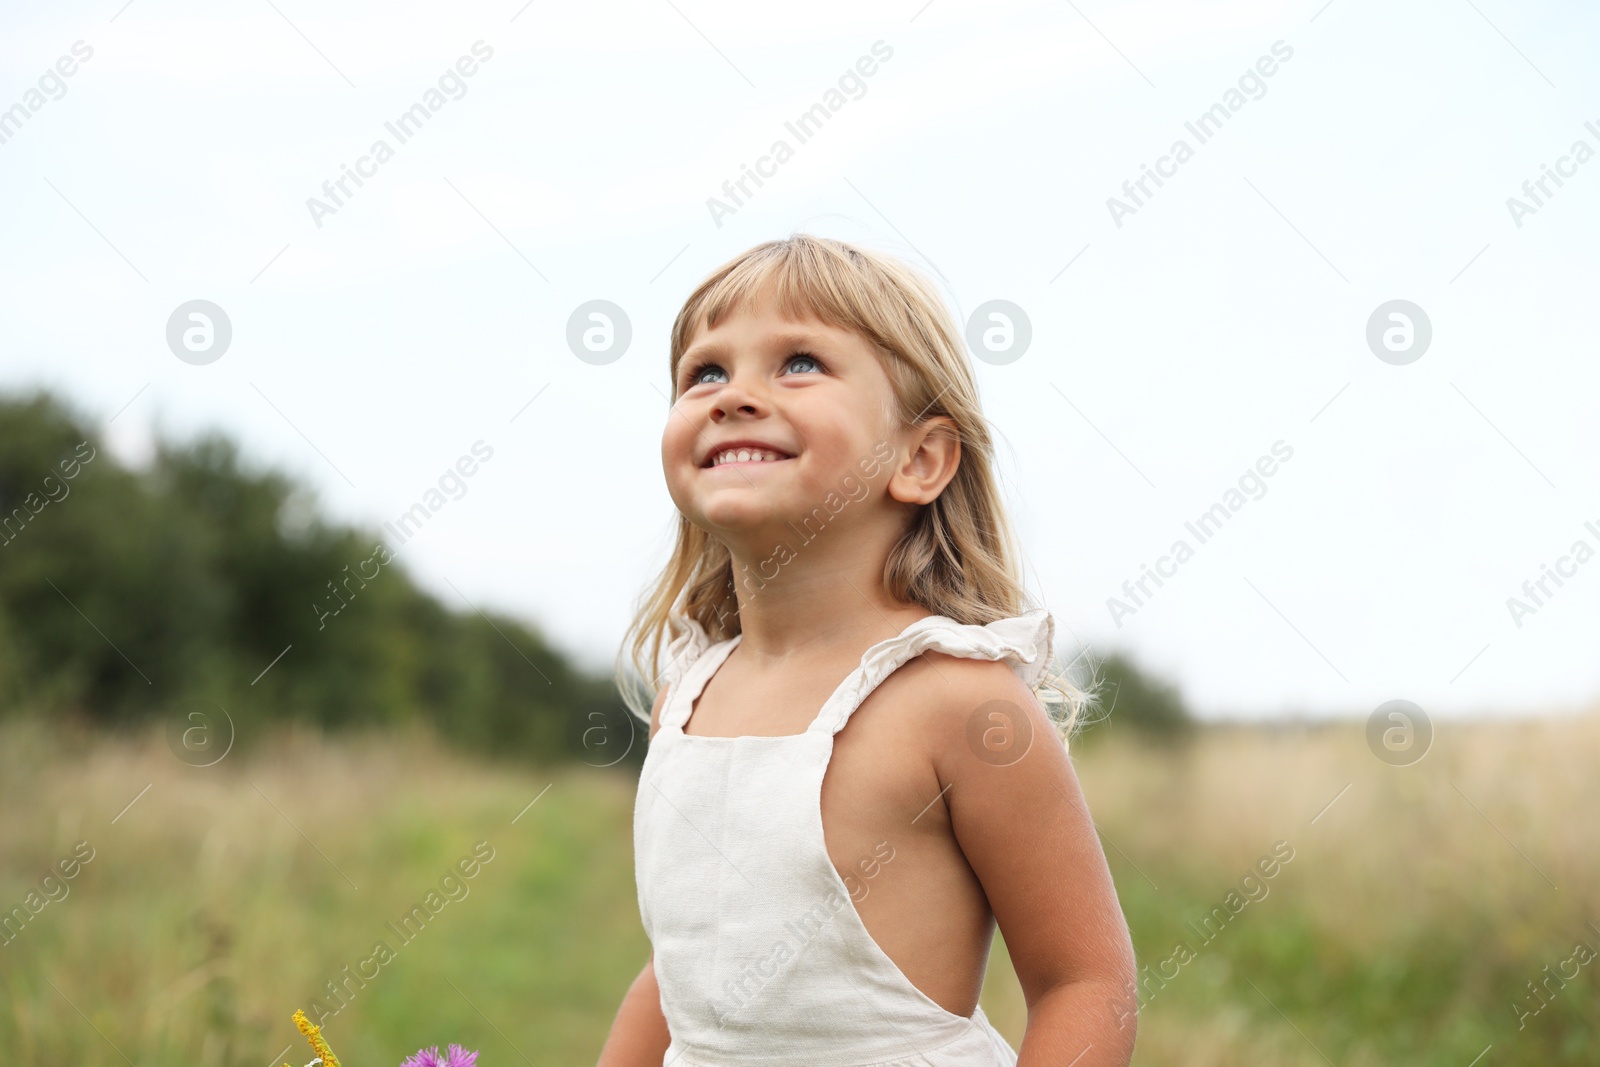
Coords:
744,455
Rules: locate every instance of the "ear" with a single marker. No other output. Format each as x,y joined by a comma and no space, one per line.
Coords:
933,452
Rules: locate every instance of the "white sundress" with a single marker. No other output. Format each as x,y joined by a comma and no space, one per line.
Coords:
760,955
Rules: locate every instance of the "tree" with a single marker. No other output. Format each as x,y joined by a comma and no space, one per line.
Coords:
1126,697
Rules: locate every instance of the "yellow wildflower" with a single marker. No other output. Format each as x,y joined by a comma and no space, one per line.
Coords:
314,1036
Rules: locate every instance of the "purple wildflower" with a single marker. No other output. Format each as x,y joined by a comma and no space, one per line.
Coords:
429,1057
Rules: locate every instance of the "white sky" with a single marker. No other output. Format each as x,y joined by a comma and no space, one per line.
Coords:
1228,313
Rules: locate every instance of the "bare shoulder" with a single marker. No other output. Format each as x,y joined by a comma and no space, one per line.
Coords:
979,714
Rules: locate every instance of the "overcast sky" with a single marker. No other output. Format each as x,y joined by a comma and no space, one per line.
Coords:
1174,340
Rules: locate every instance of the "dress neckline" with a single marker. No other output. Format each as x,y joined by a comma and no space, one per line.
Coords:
713,658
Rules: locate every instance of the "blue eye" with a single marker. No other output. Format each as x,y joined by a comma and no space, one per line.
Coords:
694,375
805,357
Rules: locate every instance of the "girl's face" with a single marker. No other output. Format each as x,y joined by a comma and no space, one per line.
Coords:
815,395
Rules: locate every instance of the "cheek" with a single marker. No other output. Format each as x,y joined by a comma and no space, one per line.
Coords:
832,443
677,455
677,440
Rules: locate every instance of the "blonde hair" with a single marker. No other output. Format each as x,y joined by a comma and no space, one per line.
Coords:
959,557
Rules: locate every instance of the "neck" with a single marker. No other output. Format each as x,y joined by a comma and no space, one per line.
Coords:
818,598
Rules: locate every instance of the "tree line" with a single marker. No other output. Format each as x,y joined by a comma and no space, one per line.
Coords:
128,595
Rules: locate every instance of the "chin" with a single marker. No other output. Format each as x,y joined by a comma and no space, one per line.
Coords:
739,519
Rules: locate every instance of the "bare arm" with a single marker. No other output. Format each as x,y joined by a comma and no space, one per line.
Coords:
1025,828
639,1035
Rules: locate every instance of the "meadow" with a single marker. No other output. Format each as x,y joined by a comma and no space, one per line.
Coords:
1421,907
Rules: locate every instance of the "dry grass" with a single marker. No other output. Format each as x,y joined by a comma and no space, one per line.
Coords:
1416,906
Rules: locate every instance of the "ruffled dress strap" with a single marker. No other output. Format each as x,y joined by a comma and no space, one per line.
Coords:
1022,642
683,651
692,657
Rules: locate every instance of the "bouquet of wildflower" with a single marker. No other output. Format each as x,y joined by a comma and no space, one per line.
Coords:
424,1057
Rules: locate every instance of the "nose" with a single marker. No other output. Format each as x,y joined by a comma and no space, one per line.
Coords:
736,396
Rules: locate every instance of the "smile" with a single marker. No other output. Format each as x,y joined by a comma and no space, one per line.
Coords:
745,457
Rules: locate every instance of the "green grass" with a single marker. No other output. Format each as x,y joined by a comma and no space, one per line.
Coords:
1403,931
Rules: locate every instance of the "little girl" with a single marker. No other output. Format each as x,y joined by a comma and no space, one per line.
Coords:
849,779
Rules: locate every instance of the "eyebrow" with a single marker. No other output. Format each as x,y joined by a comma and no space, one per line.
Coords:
788,339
